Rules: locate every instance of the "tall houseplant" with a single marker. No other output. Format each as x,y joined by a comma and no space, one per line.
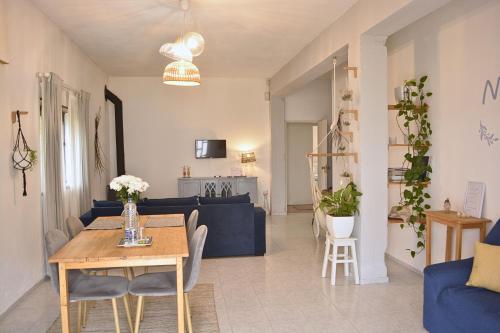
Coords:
413,111
341,206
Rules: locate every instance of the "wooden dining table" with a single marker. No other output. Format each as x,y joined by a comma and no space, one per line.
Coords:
98,249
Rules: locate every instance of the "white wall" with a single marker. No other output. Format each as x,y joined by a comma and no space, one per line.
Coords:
457,46
35,44
162,122
278,156
311,103
362,28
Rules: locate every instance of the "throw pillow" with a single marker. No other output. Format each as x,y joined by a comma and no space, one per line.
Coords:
107,203
486,268
236,199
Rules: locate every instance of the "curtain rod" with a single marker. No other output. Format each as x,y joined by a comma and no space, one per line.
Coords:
65,86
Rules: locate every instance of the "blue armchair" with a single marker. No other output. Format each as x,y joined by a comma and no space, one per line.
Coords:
451,306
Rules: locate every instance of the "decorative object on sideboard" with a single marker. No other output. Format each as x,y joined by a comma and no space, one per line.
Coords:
447,205
413,112
186,171
474,198
99,161
248,160
23,157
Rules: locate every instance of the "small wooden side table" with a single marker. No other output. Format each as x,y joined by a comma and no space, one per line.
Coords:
452,221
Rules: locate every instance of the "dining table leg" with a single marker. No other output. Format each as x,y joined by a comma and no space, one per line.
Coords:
64,298
180,295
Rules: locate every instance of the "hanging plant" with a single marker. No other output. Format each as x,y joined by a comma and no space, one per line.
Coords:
413,112
23,157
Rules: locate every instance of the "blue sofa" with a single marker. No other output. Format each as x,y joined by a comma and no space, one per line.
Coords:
235,226
451,306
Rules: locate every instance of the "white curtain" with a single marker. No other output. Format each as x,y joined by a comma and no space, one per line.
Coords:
77,193
64,154
84,130
51,157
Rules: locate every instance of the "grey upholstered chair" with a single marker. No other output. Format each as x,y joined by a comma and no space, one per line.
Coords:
75,226
83,287
192,224
165,283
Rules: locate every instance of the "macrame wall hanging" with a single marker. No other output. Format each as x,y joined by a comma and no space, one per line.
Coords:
98,158
23,157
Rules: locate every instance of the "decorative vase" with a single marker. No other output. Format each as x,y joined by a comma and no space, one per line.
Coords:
131,221
340,226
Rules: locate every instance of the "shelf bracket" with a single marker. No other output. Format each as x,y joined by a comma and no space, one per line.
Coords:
14,115
353,69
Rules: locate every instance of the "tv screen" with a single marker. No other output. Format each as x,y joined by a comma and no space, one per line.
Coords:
210,148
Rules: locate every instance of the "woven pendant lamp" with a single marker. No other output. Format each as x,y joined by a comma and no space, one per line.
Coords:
181,73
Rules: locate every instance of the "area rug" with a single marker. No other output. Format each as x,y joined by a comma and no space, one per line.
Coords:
160,314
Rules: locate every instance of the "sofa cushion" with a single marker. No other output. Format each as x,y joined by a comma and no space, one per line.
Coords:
493,237
486,268
188,201
235,199
440,276
107,203
472,309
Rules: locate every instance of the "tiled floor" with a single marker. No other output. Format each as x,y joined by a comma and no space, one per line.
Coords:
280,292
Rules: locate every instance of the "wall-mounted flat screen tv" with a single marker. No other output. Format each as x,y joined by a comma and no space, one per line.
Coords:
210,148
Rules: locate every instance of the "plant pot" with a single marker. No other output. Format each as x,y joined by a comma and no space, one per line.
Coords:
340,227
344,181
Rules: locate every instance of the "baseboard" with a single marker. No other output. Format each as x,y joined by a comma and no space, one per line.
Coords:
382,279
22,298
399,262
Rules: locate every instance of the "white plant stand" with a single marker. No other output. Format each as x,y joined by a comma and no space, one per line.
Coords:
346,243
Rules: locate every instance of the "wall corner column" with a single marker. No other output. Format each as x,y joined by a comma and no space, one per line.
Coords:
373,131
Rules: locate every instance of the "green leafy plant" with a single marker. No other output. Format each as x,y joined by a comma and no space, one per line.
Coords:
413,112
343,202
33,157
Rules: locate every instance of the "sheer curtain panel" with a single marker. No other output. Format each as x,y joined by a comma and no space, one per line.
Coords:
51,157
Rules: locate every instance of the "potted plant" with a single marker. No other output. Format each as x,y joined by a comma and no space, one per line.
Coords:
340,207
345,179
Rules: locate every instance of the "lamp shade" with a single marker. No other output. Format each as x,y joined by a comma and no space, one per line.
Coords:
248,157
176,51
181,73
194,42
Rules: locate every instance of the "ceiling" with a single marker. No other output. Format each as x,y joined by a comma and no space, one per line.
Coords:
244,38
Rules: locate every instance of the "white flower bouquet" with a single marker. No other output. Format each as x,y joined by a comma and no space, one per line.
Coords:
128,186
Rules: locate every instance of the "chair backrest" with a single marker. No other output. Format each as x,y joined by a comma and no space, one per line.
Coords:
192,224
55,240
75,226
193,264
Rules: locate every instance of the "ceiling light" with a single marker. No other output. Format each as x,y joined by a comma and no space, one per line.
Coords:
194,42
181,73
176,51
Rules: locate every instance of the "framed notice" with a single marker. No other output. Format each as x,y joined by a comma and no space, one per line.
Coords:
474,197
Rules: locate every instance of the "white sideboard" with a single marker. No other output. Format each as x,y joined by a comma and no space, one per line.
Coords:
218,187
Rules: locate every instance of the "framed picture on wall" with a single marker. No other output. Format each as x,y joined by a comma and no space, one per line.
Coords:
474,198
